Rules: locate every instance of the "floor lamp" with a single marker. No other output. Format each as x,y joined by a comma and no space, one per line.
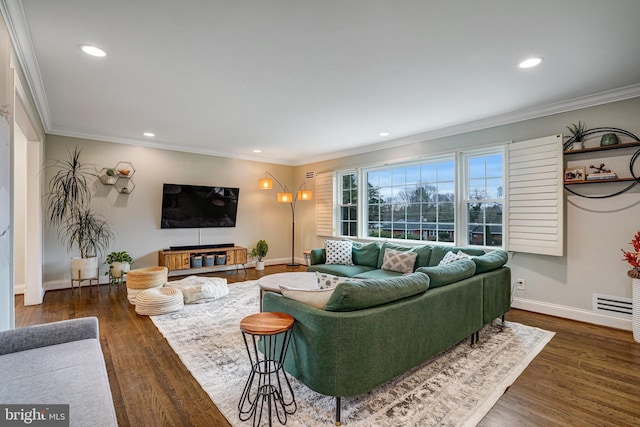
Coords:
287,197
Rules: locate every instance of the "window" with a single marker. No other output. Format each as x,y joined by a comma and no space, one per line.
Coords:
484,198
348,204
412,202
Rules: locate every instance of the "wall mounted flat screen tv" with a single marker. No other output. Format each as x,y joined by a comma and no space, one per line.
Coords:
197,206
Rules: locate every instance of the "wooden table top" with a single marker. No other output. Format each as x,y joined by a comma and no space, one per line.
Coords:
266,323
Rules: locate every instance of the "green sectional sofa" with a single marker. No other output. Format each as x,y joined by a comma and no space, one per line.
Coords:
373,330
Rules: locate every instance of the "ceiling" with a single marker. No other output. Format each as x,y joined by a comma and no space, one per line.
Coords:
307,80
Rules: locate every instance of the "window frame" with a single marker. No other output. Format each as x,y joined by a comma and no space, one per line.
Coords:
364,199
465,191
339,205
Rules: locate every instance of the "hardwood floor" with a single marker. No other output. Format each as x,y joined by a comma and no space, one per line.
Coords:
586,376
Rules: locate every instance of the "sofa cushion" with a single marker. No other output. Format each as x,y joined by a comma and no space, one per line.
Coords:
339,270
71,373
450,273
438,252
338,252
366,253
400,261
352,296
423,252
314,297
490,261
450,257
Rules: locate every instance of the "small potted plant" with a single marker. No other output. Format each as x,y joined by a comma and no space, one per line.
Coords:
259,252
119,263
577,135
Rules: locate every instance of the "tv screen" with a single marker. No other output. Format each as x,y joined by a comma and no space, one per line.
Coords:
196,206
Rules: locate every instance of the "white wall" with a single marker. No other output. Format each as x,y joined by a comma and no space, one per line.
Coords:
135,218
595,230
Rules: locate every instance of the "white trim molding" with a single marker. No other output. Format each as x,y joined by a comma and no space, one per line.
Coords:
572,313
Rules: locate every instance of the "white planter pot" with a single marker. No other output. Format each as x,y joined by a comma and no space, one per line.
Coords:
578,145
118,268
84,268
259,265
635,316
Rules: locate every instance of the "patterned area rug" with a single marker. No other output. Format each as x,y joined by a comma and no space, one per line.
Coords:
455,388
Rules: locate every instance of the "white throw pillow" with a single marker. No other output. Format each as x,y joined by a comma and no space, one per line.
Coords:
450,257
400,261
338,252
327,281
313,297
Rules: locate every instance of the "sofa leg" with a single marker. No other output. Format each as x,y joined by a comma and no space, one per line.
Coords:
502,324
338,422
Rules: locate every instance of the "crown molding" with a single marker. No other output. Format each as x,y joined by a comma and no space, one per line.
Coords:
161,146
14,17
606,97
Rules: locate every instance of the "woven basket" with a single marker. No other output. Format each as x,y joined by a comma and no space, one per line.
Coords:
145,278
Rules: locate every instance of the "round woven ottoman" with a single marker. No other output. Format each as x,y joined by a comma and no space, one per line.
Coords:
141,279
155,301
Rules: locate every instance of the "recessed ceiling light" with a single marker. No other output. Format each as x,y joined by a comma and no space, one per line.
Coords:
384,134
92,50
257,150
530,62
149,134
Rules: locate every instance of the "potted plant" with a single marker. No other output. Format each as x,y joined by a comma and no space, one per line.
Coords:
69,212
259,252
119,263
577,135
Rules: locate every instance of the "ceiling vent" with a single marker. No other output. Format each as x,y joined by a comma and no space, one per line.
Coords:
612,305
310,175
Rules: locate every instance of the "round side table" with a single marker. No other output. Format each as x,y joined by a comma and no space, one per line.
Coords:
271,332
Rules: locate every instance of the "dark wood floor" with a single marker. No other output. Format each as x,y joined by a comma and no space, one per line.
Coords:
586,376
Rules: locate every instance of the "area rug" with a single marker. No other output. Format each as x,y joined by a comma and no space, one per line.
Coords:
455,388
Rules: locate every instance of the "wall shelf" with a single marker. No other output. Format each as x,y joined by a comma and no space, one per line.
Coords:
591,153
121,178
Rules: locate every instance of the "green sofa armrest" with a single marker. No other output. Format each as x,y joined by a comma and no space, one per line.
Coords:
450,273
318,256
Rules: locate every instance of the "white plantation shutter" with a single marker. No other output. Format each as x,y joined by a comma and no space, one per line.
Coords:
324,204
535,201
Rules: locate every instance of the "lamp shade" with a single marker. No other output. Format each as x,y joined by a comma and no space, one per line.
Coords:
305,195
265,183
285,197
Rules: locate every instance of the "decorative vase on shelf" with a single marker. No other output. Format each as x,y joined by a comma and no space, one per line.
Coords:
635,315
578,145
609,139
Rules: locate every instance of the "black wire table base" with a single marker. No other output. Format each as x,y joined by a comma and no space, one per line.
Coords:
267,389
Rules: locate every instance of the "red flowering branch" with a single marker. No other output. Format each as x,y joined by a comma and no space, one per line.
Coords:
633,257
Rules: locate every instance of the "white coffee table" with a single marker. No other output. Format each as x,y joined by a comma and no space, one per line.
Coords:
272,282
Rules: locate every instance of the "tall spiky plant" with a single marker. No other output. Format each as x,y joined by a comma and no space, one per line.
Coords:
68,207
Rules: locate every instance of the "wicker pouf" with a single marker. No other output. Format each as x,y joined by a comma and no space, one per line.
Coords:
145,278
155,301
141,279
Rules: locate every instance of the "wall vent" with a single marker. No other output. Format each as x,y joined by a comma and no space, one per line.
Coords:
309,175
612,305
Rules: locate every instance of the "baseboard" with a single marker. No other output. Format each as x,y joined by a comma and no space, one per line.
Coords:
19,289
66,284
54,285
572,313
